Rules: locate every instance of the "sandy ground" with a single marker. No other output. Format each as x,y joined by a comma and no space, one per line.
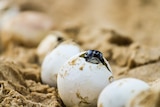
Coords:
126,32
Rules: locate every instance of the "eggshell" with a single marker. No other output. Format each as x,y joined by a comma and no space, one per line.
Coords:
147,98
118,93
80,82
49,43
54,60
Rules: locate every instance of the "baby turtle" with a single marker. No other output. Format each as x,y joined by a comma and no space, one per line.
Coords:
95,57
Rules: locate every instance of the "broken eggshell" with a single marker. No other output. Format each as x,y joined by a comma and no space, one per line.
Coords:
55,59
49,43
119,92
82,78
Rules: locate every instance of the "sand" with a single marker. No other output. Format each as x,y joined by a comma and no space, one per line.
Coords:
126,32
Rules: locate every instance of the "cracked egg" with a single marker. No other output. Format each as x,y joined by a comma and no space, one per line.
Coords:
82,78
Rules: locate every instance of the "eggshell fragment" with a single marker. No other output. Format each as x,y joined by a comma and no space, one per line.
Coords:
54,60
118,93
49,43
80,82
27,28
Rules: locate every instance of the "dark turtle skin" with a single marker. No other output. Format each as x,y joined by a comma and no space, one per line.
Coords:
95,57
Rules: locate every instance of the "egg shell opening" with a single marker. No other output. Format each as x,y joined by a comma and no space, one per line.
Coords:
49,43
80,82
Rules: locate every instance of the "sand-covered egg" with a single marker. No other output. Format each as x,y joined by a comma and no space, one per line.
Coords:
147,98
49,43
55,59
82,78
119,92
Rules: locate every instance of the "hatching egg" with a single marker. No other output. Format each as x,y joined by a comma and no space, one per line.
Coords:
119,92
82,78
49,43
55,59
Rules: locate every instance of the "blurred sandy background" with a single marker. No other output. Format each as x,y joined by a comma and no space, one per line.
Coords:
139,18
126,31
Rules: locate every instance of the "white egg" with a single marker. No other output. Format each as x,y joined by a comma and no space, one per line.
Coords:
118,93
54,60
49,43
147,98
82,78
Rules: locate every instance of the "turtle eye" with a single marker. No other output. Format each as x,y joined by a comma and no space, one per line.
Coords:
92,56
86,55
